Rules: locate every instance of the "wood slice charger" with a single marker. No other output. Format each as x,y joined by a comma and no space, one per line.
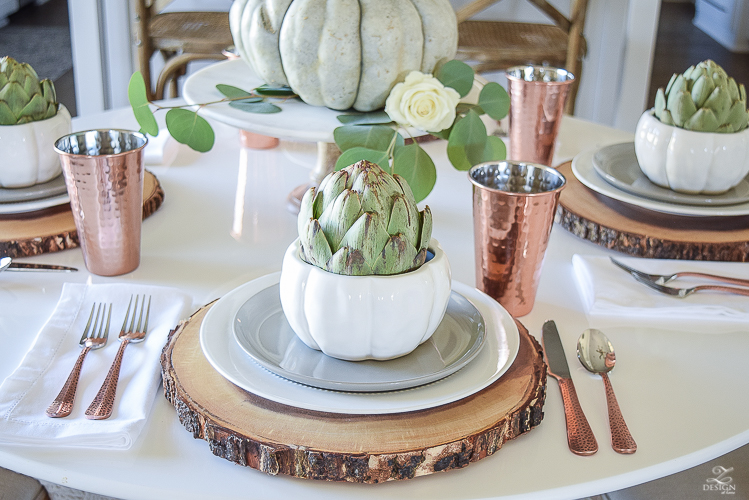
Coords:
646,233
278,439
53,229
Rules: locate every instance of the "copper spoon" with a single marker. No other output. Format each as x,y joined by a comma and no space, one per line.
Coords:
596,354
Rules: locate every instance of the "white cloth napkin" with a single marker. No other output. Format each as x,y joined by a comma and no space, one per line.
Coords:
607,290
27,392
160,150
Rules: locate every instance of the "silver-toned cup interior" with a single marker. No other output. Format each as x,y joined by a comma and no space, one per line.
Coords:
517,177
101,142
540,74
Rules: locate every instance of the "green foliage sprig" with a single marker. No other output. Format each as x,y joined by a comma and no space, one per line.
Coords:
376,138
186,125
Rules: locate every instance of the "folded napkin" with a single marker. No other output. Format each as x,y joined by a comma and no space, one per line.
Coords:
27,392
160,150
607,290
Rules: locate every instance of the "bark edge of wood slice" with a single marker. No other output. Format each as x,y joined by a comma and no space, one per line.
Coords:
277,439
53,229
645,233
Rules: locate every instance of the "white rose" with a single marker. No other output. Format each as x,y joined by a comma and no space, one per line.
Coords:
422,102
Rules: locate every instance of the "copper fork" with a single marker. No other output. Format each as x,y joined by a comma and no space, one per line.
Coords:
103,404
92,338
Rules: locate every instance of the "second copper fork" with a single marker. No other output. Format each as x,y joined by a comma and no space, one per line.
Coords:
103,404
92,338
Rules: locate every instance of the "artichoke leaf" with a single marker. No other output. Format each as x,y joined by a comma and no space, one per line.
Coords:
733,90
405,187
420,258
36,109
671,83
14,95
339,217
32,86
349,262
660,103
6,115
704,120
315,246
671,95
666,118
335,185
702,89
367,235
403,221
737,117
720,103
681,107
396,257
305,209
426,228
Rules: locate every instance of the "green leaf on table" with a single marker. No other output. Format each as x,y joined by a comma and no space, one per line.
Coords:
189,128
495,149
458,75
255,107
467,142
415,165
494,100
136,94
232,92
351,156
269,91
377,137
373,118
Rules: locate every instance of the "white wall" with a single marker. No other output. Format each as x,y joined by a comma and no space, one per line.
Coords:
613,89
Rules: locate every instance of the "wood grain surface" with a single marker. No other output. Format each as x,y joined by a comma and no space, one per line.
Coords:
646,233
277,439
53,229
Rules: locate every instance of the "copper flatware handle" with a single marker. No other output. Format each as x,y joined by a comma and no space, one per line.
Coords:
63,403
718,288
621,439
726,279
103,404
579,434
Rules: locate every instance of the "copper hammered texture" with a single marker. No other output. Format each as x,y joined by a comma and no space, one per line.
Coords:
103,404
535,116
579,434
511,233
621,439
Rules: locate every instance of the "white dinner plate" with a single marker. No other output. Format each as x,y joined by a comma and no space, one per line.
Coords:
582,167
618,165
33,205
224,354
50,189
263,332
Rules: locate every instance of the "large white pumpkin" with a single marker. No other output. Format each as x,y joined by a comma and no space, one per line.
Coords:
342,53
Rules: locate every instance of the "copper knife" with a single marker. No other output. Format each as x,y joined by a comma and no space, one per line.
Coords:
580,436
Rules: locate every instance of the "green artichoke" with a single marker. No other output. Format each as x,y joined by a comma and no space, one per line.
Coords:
23,98
363,221
704,99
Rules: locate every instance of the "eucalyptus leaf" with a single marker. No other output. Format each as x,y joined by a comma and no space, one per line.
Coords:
275,91
136,94
495,149
189,128
373,118
353,155
232,92
255,107
465,107
415,165
377,137
494,100
458,75
467,142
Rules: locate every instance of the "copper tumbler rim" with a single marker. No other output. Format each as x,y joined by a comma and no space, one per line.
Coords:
510,73
545,168
58,143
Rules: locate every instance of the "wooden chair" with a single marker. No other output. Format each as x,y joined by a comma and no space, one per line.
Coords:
498,45
181,37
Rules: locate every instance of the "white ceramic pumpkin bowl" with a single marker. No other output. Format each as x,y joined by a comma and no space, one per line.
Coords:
690,162
28,152
364,317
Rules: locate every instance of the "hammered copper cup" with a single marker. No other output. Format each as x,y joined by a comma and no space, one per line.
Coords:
513,211
537,98
104,175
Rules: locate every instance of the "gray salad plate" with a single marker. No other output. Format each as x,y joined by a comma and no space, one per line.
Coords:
262,331
49,189
617,164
